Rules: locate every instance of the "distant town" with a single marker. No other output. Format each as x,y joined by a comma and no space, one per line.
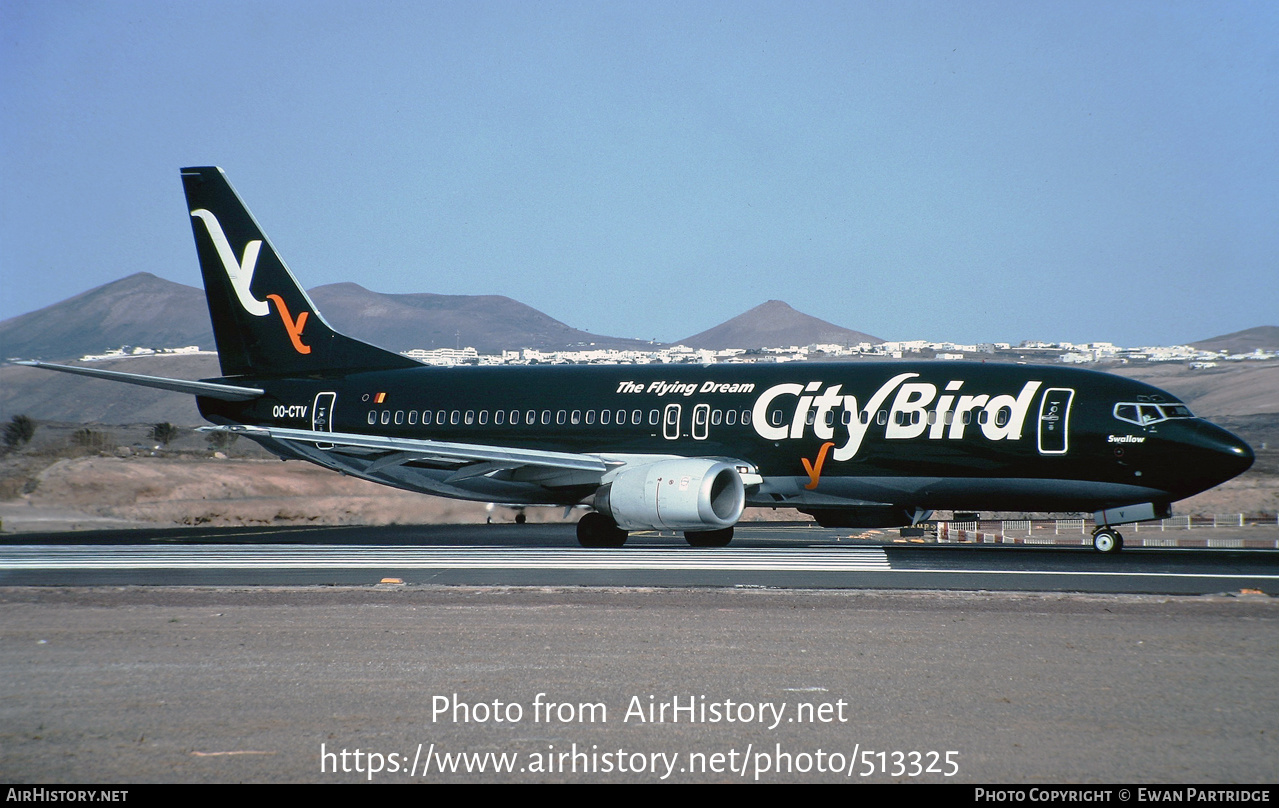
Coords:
1028,351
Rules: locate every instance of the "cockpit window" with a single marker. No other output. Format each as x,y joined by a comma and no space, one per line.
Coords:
1147,414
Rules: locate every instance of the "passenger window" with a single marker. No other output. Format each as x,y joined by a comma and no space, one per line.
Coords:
412,416
546,417
439,417
470,417
372,416
730,417
1002,417
746,417
637,417
530,417
590,417
864,418
484,417
775,418
881,417
654,418
576,417
399,417
605,416
621,417
426,417
560,415
715,418
499,417
386,417
454,417
810,418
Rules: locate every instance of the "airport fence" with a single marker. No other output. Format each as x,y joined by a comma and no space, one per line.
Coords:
1026,531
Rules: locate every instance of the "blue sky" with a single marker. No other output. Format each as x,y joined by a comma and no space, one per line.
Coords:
959,171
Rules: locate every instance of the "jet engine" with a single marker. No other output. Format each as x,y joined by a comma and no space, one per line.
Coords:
694,494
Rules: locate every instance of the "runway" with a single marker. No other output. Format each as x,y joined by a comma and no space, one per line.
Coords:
780,556
249,654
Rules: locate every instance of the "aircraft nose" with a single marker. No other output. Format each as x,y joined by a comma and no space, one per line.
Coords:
1222,456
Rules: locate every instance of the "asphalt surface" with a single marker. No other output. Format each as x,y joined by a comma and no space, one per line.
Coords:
767,554
793,656
258,684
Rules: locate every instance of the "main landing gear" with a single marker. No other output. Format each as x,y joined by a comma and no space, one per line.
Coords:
709,538
1107,540
595,529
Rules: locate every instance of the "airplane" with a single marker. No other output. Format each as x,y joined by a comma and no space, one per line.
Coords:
680,447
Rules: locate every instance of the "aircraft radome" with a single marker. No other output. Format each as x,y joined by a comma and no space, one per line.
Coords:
681,447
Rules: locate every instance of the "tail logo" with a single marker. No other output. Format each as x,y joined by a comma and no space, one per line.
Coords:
293,327
240,272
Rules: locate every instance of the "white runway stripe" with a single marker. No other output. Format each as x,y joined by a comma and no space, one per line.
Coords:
85,557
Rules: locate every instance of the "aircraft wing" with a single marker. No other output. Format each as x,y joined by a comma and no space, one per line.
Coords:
225,392
475,459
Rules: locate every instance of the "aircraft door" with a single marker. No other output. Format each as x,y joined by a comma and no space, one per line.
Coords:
1054,421
701,421
322,415
670,422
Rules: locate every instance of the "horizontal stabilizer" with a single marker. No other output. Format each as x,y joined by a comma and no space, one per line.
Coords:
225,392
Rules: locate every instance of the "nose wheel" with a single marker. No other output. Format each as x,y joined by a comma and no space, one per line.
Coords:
1107,540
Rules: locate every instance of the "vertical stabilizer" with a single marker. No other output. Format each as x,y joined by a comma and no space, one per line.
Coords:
263,321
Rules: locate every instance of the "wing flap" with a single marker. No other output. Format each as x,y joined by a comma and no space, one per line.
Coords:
501,457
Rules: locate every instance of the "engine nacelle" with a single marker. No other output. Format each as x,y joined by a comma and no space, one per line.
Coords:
686,494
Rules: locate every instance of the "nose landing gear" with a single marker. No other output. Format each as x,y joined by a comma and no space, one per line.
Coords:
1107,540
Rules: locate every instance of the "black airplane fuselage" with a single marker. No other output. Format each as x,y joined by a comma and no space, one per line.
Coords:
926,435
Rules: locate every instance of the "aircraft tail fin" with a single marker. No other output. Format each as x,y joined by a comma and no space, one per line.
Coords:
263,321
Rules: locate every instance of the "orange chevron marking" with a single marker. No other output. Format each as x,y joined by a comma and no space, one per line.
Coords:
294,328
815,469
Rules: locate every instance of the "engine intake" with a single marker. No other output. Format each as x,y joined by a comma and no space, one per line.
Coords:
686,494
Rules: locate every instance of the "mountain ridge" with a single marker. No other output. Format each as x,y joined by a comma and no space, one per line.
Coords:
145,310
1263,337
774,324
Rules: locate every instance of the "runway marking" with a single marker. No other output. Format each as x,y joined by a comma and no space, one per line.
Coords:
88,557
1099,573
